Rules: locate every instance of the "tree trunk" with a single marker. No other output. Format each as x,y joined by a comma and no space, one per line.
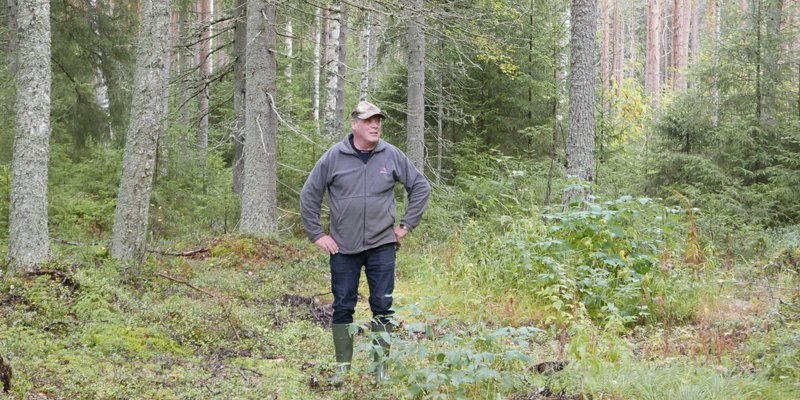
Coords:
28,241
619,44
632,58
771,63
316,68
184,85
743,6
11,48
100,82
680,44
365,53
203,63
341,70
288,42
415,120
331,71
604,56
129,236
580,143
717,15
560,64
162,152
239,93
259,197
652,83
694,40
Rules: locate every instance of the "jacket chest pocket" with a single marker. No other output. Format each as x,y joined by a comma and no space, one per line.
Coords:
380,181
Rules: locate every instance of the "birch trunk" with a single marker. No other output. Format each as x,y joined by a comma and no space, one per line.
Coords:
415,122
341,70
239,90
28,241
316,68
100,81
331,71
365,53
288,42
129,236
580,142
259,197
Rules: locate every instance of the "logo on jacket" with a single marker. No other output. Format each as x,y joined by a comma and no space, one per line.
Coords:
382,170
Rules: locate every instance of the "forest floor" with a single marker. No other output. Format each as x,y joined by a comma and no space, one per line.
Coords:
247,318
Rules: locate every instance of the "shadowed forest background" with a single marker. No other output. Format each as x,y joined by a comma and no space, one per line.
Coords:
614,212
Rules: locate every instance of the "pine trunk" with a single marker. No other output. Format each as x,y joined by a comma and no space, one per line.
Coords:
694,40
415,122
239,92
580,142
129,236
259,197
604,56
204,68
619,45
28,241
652,83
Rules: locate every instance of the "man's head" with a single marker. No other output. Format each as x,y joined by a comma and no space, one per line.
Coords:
366,123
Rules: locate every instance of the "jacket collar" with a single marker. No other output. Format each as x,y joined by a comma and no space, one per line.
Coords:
345,147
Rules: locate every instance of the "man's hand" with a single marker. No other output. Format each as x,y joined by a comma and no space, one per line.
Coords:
328,244
398,234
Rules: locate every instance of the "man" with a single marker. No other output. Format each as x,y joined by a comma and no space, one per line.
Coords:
359,173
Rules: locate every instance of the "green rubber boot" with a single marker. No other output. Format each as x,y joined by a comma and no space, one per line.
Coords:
343,344
382,367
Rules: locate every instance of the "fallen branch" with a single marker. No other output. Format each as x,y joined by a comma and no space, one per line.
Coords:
187,253
197,288
56,275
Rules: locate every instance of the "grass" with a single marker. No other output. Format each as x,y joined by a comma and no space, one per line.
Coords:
252,326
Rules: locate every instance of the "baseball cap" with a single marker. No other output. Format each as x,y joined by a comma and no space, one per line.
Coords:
365,110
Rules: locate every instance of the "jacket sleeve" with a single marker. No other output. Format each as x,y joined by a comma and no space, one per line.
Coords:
417,188
311,199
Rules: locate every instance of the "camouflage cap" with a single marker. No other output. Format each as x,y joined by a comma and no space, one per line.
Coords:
365,110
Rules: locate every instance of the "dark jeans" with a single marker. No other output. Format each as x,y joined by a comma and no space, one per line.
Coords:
378,265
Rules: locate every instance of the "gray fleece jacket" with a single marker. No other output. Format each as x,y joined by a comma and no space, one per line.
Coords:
362,205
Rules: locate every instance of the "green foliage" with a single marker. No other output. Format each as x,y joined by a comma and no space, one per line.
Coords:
603,260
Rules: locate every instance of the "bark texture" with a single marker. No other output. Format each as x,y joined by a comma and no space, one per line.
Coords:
316,67
331,71
28,242
652,75
415,120
129,236
259,197
239,90
580,142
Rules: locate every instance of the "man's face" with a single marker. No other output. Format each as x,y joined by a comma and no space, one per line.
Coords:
367,131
